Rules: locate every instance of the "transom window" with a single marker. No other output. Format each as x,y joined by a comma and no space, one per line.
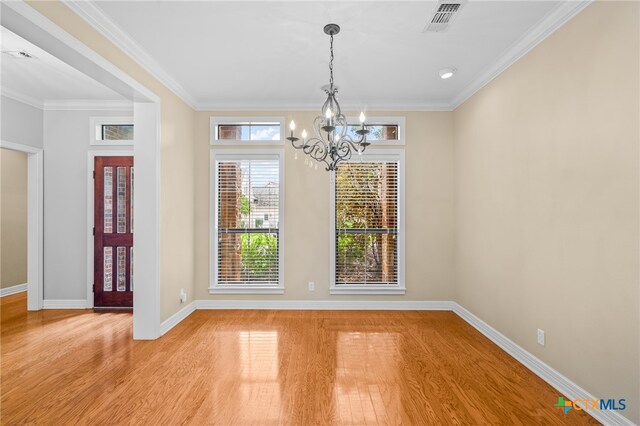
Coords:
247,130
247,237
378,132
112,131
383,130
367,206
116,132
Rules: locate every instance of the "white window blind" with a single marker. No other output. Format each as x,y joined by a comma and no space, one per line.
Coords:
366,223
248,228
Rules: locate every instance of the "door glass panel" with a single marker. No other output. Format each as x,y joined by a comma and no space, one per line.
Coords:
122,268
131,192
108,269
131,268
108,200
122,200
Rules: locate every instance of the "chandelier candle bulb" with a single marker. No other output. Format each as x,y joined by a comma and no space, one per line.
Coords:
362,118
327,115
292,127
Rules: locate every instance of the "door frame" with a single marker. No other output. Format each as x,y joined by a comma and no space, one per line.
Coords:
28,23
91,157
35,221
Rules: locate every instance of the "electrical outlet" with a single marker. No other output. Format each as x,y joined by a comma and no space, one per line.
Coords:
183,295
541,337
312,286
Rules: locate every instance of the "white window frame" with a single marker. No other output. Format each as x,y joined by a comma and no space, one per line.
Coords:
238,155
217,121
400,287
98,122
380,120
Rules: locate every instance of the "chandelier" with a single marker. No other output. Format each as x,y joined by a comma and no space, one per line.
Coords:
331,143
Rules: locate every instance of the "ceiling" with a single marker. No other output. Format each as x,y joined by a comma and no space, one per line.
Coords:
44,79
274,54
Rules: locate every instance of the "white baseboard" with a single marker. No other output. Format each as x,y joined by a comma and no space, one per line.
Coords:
13,290
562,384
64,304
336,305
176,318
183,313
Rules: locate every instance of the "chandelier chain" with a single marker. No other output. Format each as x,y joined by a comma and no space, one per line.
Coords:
331,63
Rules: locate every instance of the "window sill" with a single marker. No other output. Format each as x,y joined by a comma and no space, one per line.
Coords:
115,142
245,290
367,290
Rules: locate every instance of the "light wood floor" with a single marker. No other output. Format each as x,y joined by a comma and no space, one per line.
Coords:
264,368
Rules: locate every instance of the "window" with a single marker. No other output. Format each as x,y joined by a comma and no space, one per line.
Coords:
368,225
247,130
117,132
111,131
383,130
247,217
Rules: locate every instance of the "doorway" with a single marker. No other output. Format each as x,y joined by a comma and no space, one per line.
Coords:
113,232
23,20
34,221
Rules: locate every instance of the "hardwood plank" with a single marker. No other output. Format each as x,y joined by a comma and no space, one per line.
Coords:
264,368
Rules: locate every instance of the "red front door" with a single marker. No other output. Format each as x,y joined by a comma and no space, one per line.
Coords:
113,232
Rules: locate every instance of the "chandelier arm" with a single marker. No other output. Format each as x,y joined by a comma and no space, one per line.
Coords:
316,149
354,145
344,149
297,143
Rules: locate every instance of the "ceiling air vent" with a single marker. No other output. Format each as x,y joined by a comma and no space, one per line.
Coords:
444,15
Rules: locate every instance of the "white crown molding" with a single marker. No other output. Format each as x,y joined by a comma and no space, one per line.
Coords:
19,147
92,14
561,383
22,98
7,291
64,304
376,106
555,19
68,104
89,104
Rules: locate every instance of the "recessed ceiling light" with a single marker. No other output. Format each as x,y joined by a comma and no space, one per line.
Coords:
446,73
19,54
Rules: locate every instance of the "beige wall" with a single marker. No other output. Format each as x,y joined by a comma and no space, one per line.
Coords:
547,201
176,162
13,218
429,212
